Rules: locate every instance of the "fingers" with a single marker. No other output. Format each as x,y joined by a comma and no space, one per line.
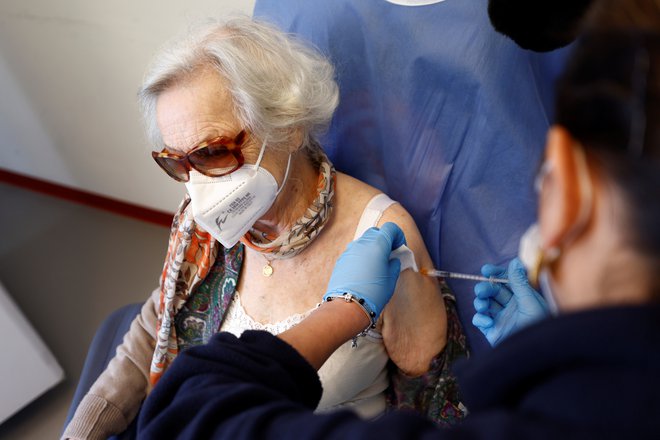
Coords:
517,274
394,234
497,292
394,268
487,307
481,305
482,321
518,281
386,238
490,270
484,290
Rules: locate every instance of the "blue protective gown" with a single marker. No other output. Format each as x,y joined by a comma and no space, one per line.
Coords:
441,113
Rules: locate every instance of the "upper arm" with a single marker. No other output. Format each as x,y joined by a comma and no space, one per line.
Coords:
414,323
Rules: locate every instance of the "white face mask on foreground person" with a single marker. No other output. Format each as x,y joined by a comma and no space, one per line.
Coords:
228,206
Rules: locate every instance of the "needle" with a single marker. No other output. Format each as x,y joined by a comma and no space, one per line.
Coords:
461,276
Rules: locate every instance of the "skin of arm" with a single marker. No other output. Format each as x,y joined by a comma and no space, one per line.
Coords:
257,378
414,323
311,337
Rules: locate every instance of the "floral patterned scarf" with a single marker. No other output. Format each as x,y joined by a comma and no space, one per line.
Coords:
192,253
305,229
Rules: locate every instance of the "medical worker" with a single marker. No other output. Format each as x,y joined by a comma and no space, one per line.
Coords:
585,363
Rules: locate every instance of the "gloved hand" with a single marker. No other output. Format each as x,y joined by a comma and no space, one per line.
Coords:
503,309
365,270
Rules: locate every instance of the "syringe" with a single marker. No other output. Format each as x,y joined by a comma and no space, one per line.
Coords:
460,276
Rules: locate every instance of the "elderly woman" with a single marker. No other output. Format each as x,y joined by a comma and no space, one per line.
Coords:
591,372
235,109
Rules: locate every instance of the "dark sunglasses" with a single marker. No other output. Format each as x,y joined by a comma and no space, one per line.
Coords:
213,158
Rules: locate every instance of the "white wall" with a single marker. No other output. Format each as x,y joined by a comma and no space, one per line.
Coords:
69,73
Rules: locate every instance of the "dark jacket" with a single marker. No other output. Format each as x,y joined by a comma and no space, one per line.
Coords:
588,375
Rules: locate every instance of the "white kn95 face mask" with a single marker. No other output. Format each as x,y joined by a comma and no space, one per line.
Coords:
228,206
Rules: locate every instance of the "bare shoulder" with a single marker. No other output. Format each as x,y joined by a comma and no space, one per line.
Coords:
351,197
399,215
351,191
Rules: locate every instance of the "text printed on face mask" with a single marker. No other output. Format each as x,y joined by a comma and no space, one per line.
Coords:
236,207
240,204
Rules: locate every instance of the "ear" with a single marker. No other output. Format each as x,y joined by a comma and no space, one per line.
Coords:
559,201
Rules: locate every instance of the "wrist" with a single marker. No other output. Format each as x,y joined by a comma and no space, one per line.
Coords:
328,327
368,307
365,307
350,316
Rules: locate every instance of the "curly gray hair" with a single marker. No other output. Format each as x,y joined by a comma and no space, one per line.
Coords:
279,85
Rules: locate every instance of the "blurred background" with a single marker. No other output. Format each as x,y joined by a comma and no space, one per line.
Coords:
70,129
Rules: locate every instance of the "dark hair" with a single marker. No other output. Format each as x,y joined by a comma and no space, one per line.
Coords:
540,26
608,98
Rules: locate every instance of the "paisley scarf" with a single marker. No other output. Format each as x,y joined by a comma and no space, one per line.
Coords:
192,253
305,229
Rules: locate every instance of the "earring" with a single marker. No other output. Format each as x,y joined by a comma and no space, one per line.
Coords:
533,256
542,259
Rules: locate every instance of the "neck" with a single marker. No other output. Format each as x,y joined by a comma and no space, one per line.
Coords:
299,191
602,268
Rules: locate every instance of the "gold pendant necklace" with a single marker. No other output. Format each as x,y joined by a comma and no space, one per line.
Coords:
267,270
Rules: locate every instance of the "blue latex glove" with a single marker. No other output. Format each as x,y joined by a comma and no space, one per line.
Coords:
365,270
503,309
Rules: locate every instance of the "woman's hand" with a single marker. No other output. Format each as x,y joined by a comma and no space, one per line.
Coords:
365,270
504,309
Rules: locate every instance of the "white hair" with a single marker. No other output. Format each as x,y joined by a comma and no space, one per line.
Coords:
278,84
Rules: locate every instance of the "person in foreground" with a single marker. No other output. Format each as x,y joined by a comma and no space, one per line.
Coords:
234,110
591,371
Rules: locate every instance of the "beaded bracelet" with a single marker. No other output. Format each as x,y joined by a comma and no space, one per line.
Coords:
371,315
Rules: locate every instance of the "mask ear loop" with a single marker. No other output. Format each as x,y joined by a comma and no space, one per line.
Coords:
286,176
549,256
286,173
261,154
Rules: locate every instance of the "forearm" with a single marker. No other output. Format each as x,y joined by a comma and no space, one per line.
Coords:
327,328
